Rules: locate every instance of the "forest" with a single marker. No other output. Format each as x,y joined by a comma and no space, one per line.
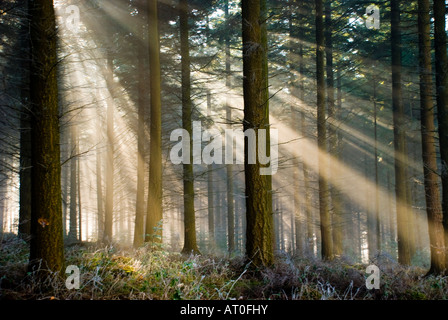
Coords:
223,150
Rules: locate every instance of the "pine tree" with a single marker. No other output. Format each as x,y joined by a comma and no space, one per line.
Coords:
433,205
325,218
403,237
259,225
154,213
441,65
190,244
46,248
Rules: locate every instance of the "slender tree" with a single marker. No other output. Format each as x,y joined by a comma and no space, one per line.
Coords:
399,139
154,213
325,218
73,229
139,228
109,207
190,244
46,248
229,167
210,186
259,220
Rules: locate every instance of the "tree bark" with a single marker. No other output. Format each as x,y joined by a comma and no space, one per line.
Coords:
441,65
259,220
432,196
46,248
154,215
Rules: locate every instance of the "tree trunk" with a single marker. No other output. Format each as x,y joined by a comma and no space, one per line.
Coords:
373,215
78,185
109,209
139,224
154,215
229,167
73,229
46,245
210,197
399,139
441,64
325,218
259,220
190,244
433,205
99,182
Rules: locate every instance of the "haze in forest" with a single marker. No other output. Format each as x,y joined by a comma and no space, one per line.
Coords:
117,123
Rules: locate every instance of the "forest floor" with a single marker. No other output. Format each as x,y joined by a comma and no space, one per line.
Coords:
111,272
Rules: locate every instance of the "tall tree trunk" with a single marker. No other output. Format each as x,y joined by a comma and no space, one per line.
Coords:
332,132
377,182
46,206
99,183
154,215
229,167
139,225
259,220
78,185
338,222
325,218
109,208
399,139
73,229
372,215
433,205
210,197
297,218
190,243
441,64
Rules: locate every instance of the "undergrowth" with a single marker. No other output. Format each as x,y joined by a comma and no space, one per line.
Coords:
113,272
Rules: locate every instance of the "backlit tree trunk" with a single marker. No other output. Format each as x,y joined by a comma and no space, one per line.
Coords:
190,244
46,206
259,221
399,139
433,205
154,213
325,218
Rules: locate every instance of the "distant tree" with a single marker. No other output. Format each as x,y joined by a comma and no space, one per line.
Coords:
229,167
110,133
46,246
73,226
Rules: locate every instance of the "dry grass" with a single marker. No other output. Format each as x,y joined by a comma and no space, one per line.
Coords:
123,273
